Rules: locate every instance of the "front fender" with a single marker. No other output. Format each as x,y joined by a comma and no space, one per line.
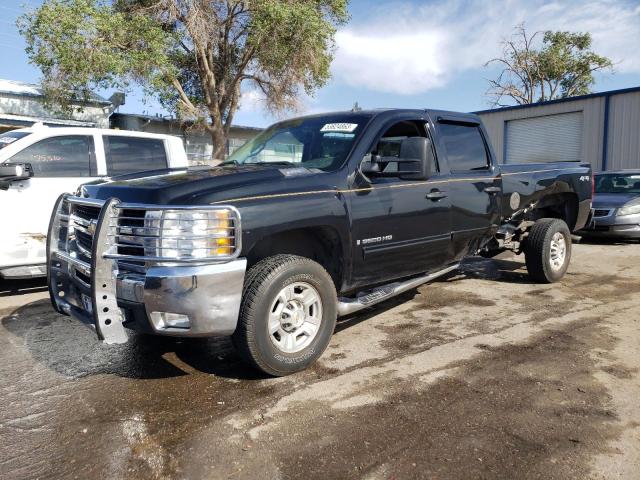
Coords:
265,217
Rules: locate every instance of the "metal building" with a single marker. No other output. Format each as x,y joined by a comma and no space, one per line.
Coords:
602,129
23,104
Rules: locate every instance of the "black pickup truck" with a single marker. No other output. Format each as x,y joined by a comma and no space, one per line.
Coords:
316,218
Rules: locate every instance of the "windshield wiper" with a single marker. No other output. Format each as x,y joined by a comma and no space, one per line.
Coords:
228,162
280,162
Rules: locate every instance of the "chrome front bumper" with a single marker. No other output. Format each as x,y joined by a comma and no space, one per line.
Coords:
206,297
209,295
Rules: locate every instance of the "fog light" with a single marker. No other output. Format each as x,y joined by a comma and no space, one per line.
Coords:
164,320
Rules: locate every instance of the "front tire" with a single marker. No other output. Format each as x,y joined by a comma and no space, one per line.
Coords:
547,250
287,316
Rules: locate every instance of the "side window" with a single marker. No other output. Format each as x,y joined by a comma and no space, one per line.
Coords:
65,156
129,154
389,144
465,147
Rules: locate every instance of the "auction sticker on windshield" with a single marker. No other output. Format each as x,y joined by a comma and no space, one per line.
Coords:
339,127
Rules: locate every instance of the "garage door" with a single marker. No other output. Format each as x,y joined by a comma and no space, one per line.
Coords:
551,138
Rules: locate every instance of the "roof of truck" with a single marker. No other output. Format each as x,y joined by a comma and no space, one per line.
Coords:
90,131
378,112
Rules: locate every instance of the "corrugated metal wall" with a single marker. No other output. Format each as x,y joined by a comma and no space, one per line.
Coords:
593,124
623,145
622,137
552,138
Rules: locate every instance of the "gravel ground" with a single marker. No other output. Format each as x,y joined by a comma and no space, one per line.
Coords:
479,375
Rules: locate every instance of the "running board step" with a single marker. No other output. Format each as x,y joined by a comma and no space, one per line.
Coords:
347,306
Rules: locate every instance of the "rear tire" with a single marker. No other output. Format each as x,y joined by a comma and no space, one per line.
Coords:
287,316
547,250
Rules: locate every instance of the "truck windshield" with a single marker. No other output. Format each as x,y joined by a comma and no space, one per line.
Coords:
8,138
618,183
313,142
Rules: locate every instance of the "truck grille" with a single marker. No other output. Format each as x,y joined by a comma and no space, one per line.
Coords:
128,222
84,241
138,236
86,212
84,219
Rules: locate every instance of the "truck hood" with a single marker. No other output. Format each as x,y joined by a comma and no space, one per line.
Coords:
613,200
204,186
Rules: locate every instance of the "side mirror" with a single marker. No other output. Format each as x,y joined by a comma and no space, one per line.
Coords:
12,172
15,171
414,162
371,165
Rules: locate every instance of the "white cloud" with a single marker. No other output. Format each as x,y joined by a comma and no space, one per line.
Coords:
254,102
251,101
408,49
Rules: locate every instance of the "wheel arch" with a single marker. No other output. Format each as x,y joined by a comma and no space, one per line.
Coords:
322,244
564,206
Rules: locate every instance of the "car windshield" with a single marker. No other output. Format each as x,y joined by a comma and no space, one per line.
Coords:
618,183
8,138
314,142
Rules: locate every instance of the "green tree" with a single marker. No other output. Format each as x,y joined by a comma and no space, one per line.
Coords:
195,56
544,66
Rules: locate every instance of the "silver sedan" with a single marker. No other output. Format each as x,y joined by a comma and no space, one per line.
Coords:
616,204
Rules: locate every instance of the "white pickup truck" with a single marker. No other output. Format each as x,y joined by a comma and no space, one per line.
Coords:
38,164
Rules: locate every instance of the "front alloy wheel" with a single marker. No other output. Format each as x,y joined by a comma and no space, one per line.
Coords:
295,318
287,316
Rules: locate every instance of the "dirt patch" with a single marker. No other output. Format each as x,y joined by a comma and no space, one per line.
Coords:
620,371
525,411
437,295
337,356
604,287
414,336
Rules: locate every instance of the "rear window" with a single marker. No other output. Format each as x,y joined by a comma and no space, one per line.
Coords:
129,155
8,138
465,147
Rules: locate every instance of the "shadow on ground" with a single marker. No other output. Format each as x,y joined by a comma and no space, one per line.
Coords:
608,241
71,349
22,287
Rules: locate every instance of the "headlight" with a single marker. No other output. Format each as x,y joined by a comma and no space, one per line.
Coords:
193,234
630,209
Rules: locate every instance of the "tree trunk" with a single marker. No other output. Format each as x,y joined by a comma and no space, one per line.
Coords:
219,140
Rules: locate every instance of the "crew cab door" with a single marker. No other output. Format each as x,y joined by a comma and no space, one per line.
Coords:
60,164
400,227
475,184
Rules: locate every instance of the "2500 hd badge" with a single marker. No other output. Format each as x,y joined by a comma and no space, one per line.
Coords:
244,249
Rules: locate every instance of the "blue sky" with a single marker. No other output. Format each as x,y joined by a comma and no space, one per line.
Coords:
413,53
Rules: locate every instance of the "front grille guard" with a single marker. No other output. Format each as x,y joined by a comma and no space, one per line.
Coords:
67,289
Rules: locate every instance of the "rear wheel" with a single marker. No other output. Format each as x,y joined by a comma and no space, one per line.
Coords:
547,250
287,316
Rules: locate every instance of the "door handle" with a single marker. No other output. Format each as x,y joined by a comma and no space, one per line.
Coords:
436,195
492,190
